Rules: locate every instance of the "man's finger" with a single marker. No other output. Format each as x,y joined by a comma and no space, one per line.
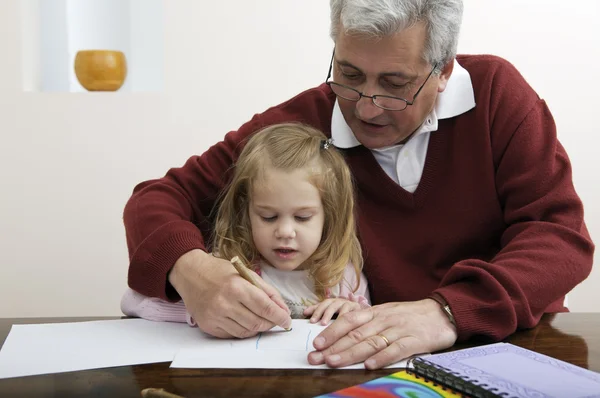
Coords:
398,350
264,308
353,338
356,353
341,327
218,332
378,350
347,307
230,328
273,294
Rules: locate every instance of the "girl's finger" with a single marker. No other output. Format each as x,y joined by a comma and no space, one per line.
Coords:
309,310
330,311
318,312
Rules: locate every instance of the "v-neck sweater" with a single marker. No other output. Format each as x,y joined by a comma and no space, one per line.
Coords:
495,226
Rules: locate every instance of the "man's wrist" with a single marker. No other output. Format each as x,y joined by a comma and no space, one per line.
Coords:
445,308
179,269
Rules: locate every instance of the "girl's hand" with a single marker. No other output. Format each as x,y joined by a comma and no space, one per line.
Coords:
325,310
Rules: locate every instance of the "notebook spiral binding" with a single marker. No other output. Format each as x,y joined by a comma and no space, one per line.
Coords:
446,378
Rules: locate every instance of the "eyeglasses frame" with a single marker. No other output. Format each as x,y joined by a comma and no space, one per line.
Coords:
374,97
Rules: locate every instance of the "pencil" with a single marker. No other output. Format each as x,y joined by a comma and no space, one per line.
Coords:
158,393
244,273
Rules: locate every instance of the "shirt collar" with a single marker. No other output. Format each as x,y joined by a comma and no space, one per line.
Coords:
456,99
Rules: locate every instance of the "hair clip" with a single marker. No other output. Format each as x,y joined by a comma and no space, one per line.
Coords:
325,144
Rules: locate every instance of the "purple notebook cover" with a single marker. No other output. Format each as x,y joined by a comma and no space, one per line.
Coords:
519,372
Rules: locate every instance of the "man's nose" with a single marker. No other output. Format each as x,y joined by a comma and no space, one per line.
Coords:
365,108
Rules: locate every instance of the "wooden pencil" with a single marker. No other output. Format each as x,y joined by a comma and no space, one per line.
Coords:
158,393
245,273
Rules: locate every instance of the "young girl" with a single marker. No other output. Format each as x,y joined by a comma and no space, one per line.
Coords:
288,214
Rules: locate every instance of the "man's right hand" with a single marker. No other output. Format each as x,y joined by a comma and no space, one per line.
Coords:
221,302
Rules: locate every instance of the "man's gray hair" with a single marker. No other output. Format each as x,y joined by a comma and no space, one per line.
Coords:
381,18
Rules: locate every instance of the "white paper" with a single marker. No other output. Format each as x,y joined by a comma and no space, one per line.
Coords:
63,347
275,349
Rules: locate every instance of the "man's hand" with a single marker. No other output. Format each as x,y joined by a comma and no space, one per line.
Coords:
327,308
221,302
363,336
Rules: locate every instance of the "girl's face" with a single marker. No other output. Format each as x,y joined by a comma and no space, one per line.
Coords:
286,216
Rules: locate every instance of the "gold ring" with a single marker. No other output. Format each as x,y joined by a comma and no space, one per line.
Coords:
387,342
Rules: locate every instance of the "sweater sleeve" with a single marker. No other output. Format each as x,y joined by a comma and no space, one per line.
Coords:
545,249
167,217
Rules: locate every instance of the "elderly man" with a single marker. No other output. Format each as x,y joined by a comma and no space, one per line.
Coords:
468,217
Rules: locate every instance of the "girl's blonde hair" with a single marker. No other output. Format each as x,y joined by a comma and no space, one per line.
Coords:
288,147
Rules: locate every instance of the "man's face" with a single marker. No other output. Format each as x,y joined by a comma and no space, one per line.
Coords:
389,66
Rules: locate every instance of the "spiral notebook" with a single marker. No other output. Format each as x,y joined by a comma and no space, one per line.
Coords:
495,370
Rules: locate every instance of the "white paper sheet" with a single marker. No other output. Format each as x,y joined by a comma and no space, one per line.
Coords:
63,347
275,349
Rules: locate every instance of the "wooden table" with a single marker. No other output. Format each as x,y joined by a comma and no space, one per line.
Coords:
572,337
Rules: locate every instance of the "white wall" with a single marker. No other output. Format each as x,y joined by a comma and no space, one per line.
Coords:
30,41
68,162
53,46
146,66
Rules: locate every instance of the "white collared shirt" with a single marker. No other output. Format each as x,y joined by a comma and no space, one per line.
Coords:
404,163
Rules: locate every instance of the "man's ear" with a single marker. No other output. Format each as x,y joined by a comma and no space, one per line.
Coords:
445,75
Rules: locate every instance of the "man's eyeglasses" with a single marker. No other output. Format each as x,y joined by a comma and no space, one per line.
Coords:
387,102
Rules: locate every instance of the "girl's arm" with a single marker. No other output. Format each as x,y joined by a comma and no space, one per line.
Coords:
154,309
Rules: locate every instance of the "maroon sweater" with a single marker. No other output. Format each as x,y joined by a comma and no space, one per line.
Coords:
495,225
